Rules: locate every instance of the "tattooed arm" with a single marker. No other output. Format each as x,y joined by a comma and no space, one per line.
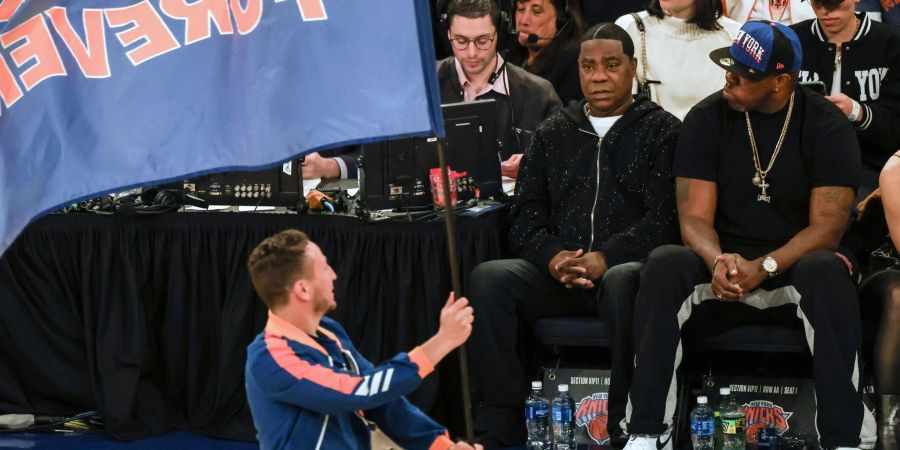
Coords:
696,201
829,211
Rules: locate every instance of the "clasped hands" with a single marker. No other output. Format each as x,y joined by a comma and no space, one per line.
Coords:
733,276
575,268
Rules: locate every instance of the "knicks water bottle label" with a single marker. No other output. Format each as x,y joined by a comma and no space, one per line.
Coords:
562,415
703,428
536,412
733,426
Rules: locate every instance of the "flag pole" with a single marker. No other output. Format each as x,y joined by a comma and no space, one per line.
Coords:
450,221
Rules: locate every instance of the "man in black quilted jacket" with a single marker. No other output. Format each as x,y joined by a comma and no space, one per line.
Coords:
595,195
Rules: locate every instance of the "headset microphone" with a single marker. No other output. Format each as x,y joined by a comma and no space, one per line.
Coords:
530,37
497,73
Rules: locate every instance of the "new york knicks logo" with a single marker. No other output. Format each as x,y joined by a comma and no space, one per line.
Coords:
591,413
765,414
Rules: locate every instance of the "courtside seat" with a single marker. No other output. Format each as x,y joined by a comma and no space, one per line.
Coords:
578,331
591,332
755,338
586,331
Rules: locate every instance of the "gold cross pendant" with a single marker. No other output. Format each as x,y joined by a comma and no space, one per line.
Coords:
762,197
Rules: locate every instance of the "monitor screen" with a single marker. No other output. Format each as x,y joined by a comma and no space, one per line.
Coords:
395,174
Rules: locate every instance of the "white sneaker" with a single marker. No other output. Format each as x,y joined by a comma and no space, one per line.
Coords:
645,442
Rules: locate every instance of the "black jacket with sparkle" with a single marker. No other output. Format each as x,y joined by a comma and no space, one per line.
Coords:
628,210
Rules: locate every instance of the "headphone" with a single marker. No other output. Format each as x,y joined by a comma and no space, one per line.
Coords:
150,201
562,14
503,23
154,201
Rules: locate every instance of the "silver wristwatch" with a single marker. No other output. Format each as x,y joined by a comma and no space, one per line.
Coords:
770,266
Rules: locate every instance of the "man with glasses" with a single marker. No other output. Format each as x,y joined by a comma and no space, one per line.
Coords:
477,72
858,59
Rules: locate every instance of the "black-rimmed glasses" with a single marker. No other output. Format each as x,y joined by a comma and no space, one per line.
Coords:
481,43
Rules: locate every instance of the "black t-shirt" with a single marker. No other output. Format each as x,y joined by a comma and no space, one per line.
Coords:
819,149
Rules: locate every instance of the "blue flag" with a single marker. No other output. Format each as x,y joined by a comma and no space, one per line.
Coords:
100,96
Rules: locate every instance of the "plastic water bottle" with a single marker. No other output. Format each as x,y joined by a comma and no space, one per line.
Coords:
537,416
703,425
724,398
563,419
734,426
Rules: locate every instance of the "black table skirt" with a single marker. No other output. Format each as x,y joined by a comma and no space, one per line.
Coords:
147,319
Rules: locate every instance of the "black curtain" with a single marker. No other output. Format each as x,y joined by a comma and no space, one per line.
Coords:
147,319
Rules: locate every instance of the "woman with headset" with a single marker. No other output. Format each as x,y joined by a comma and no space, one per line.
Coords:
548,42
672,41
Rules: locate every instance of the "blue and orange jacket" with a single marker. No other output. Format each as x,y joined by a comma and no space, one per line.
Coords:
310,392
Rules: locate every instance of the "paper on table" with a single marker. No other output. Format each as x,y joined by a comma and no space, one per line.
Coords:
210,208
310,184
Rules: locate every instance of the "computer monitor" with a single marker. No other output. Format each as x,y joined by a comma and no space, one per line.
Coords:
395,174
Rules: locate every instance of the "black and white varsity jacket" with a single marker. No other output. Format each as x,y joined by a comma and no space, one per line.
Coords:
870,74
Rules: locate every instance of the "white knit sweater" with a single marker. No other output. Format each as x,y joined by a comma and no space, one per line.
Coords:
678,57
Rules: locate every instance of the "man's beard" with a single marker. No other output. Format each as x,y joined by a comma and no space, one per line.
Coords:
324,306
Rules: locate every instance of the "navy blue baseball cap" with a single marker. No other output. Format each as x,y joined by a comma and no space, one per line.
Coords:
761,49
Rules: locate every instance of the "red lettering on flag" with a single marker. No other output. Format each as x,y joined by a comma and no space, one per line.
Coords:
8,8
9,89
38,45
90,55
197,17
246,18
145,24
310,9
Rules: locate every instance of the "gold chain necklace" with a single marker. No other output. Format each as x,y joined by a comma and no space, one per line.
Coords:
759,179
